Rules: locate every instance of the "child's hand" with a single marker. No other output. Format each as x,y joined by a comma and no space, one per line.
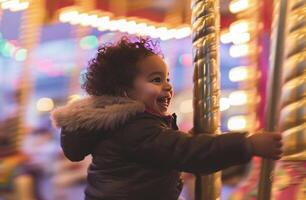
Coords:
267,145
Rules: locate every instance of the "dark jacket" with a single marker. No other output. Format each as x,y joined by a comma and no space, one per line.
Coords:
136,154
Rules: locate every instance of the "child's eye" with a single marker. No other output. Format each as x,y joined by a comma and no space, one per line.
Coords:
156,80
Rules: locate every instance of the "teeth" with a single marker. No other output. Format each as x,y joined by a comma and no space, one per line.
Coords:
164,100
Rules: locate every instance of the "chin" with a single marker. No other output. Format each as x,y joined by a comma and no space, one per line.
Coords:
161,112
164,113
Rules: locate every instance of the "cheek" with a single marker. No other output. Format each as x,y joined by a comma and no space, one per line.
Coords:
145,91
150,91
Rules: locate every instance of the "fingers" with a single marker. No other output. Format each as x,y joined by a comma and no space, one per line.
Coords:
277,136
278,145
276,158
267,145
277,152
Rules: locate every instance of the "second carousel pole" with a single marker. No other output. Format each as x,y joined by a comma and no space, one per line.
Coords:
273,92
205,39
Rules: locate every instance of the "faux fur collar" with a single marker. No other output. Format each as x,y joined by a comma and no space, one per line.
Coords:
96,112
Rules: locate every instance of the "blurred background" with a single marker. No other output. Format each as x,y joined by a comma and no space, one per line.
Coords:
45,46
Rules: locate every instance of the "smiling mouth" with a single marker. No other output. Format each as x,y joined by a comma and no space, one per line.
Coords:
164,101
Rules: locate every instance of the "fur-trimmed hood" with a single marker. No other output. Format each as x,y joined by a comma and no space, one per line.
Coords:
96,112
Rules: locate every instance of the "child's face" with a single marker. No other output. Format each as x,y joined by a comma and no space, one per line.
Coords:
152,85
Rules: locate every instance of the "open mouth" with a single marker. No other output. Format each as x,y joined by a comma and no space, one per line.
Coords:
163,101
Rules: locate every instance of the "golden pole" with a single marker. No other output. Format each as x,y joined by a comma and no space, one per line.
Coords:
74,172
293,104
273,92
31,23
293,100
205,38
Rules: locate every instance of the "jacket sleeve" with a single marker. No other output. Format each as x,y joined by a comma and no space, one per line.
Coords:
148,142
77,144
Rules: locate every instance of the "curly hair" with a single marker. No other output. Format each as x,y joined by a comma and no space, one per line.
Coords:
114,67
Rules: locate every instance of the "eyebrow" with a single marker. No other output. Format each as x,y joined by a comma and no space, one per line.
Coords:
158,73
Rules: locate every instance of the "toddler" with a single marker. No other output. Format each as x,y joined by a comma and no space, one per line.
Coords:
137,150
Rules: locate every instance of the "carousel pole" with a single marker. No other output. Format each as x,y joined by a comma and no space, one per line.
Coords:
32,21
73,172
293,100
31,24
273,92
293,106
205,39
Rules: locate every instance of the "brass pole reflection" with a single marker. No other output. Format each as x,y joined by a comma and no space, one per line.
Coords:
293,101
205,38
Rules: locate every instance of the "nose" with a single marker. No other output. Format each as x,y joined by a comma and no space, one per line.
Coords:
167,87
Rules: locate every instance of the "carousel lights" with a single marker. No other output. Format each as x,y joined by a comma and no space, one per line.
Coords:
242,33
239,50
149,30
74,97
14,5
90,20
238,98
103,24
135,28
21,54
81,19
85,19
224,104
153,32
68,16
241,38
10,50
7,50
240,73
236,38
226,37
183,32
170,34
89,42
44,104
238,122
121,25
239,5
240,26
131,26
187,107
141,28
185,59
95,20
162,33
